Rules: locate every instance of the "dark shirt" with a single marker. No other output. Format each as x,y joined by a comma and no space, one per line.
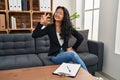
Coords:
55,47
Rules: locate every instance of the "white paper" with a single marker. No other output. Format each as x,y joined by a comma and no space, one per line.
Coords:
67,69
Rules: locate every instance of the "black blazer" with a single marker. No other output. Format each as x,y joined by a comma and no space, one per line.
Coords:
50,30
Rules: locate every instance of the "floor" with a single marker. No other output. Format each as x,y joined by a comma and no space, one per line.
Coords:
104,76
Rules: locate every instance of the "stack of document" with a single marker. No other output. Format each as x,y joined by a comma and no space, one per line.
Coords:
15,5
67,69
13,22
45,5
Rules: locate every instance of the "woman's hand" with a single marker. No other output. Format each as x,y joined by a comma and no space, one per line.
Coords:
43,19
70,49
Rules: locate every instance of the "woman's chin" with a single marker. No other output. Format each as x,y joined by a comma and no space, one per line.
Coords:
58,20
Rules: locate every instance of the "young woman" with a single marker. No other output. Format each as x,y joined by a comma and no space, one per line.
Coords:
59,33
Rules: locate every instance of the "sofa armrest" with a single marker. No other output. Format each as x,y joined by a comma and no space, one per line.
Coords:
97,48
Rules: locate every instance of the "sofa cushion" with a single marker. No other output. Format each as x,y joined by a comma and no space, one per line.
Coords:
45,59
42,44
83,46
13,44
88,58
19,61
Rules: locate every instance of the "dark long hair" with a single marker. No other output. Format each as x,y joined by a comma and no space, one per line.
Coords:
66,25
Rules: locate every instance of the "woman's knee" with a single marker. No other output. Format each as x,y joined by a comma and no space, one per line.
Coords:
71,54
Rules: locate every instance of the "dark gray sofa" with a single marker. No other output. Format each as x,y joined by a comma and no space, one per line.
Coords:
23,51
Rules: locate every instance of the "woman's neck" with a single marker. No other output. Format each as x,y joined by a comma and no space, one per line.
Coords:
58,25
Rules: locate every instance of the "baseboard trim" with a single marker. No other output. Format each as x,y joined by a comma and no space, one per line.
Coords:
107,76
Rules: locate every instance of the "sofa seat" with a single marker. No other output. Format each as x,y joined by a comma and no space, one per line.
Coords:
45,59
19,61
88,58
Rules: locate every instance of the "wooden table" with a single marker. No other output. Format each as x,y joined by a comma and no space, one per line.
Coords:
41,73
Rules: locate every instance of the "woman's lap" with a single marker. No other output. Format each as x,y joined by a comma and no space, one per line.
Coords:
68,56
64,57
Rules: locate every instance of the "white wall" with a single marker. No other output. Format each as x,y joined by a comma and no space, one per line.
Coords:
117,40
65,3
78,8
71,6
107,30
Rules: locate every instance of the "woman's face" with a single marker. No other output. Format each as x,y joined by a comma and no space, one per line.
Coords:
59,15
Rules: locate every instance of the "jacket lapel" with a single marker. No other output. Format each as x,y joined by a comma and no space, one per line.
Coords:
55,36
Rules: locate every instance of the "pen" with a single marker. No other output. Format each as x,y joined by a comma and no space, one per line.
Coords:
68,69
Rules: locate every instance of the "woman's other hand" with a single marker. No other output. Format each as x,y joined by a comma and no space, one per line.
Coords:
43,19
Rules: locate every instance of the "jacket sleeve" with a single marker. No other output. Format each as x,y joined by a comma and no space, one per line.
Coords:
79,38
38,32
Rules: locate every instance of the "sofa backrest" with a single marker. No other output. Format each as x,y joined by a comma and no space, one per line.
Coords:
11,44
42,44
